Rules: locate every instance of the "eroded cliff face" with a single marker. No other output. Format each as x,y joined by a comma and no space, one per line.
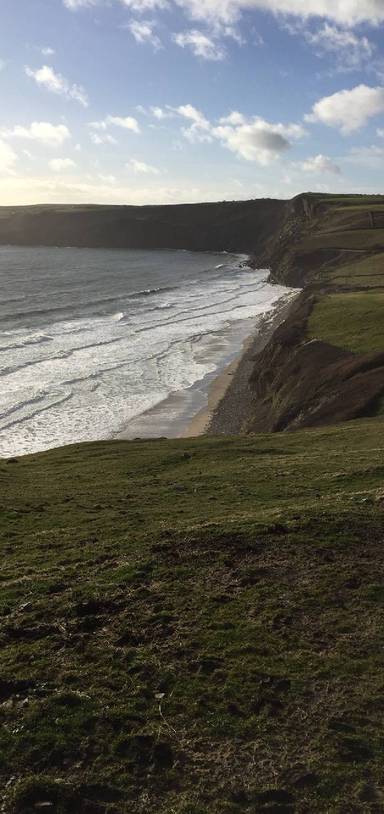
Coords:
305,382
328,246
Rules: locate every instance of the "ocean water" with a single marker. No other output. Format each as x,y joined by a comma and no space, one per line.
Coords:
93,341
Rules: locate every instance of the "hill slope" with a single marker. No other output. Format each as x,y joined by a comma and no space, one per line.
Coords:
326,362
243,226
195,626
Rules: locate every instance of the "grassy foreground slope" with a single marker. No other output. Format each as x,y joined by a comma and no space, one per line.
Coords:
195,626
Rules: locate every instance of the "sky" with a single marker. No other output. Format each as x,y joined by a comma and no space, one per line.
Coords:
169,101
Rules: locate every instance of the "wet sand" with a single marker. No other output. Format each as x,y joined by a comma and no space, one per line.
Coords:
200,422
229,397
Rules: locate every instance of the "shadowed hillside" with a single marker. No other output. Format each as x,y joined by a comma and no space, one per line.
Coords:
243,226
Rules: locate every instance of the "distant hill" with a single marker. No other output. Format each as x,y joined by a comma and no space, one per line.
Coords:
243,226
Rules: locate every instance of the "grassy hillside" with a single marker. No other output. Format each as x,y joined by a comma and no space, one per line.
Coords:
321,232
195,626
326,363
352,320
365,273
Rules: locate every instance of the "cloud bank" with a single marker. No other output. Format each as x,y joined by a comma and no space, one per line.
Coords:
345,12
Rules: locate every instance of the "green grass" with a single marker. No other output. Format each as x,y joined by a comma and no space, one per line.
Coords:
350,201
368,273
353,321
354,240
194,625
372,206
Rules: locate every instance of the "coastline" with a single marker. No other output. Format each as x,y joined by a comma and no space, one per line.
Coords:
199,425
229,395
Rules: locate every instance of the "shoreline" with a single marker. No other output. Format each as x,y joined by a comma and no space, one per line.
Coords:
221,402
199,425
174,415
229,394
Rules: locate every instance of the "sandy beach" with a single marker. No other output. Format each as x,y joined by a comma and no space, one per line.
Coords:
217,390
229,395
219,403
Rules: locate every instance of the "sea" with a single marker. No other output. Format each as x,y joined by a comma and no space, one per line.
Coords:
109,343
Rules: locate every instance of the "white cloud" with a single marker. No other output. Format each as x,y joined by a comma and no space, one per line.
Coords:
253,139
56,83
372,156
141,168
8,157
200,44
190,112
47,51
320,163
344,12
142,6
61,164
254,142
54,135
256,139
234,118
108,179
2,64
142,31
331,38
125,122
351,51
76,4
380,132
200,129
348,110
159,113
104,138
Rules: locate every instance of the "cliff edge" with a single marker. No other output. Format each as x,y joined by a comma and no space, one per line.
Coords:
325,363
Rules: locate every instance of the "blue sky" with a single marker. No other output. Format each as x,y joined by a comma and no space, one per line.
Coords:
165,101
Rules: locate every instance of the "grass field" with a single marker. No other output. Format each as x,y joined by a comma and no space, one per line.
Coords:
195,626
353,321
367,273
356,240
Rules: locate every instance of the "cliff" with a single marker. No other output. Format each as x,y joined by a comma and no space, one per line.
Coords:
239,226
325,363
